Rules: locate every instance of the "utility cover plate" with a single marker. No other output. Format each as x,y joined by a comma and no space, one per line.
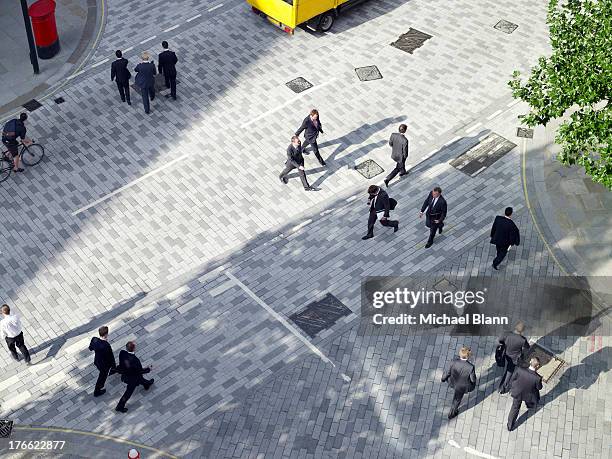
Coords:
550,363
369,168
368,73
32,105
484,154
506,26
411,40
320,315
524,132
299,85
6,427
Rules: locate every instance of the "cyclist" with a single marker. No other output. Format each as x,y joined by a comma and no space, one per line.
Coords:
13,129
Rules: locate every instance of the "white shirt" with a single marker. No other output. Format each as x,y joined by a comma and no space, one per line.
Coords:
10,326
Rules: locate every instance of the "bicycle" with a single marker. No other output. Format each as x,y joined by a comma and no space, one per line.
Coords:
30,155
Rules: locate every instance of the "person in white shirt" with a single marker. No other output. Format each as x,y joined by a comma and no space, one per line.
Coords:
10,328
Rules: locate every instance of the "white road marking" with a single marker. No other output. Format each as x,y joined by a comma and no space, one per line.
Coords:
148,39
193,18
513,103
452,141
469,450
478,171
128,49
129,185
172,28
74,75
283,321
215,7
100,63
290,101
494,114
473,128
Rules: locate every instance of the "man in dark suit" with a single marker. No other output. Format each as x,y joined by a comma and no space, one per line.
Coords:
461,376
295,160
504,233
379,201
121,75
516,345
104,359
131,374
312,127
434,208
526,384
145,79
399,153
166,63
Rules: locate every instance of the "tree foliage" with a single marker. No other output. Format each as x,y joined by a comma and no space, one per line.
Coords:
576,80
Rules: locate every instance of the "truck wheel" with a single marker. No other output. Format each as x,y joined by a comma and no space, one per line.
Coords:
326,22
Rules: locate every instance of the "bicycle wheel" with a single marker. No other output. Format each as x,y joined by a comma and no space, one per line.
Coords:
5,169
32,154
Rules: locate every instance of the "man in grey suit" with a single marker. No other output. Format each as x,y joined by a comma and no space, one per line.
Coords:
461,376
526,385
295,160
516,345
399,153
145,79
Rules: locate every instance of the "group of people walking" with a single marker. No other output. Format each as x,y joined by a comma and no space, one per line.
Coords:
523,382
145,75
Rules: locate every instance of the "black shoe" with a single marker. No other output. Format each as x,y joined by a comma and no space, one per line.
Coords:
405,173
396,228
15,358
146,113
122,100
386,183
510,427
102,392
367,236
121,410
495,268
440,230
284,180
148,386
18,170
453,414
28,362
428,245
174,98
322,162
129,103
311,188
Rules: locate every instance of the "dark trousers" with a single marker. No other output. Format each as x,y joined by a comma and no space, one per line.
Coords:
372,219
288,168
315,148
400,168
17,341
514,410
433,229
129,390
457,397
101,381
504,384
502,250
124,90
146,93
171,83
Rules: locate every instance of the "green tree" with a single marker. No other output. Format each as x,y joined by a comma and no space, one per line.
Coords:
576,80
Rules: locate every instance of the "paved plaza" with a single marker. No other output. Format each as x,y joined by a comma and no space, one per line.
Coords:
173,229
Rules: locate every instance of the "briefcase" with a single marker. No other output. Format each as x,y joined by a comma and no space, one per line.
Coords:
392,203
500,355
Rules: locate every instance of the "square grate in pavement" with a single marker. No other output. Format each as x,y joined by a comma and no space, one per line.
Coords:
299,84
524,132
6,427
551,364
320,315
506,26
482,155
59,100
32,105
411,40
368,73
369,168
160,85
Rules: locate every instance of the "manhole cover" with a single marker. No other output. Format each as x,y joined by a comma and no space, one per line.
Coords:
484,154
524,132
369,169
5,428
59,100
320,315
411,40
506,26
368,73
299,84
551,364
32,105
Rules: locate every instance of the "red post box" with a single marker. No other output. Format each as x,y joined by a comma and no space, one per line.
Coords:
42,13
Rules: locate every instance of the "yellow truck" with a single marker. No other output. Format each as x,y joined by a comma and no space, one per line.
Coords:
288,14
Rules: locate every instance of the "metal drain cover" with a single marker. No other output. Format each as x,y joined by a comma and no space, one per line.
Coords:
59,100
368,73
506,26
32,105
482,155
6,427
320,315
299,84
524,132
411,40
551,364
369,168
